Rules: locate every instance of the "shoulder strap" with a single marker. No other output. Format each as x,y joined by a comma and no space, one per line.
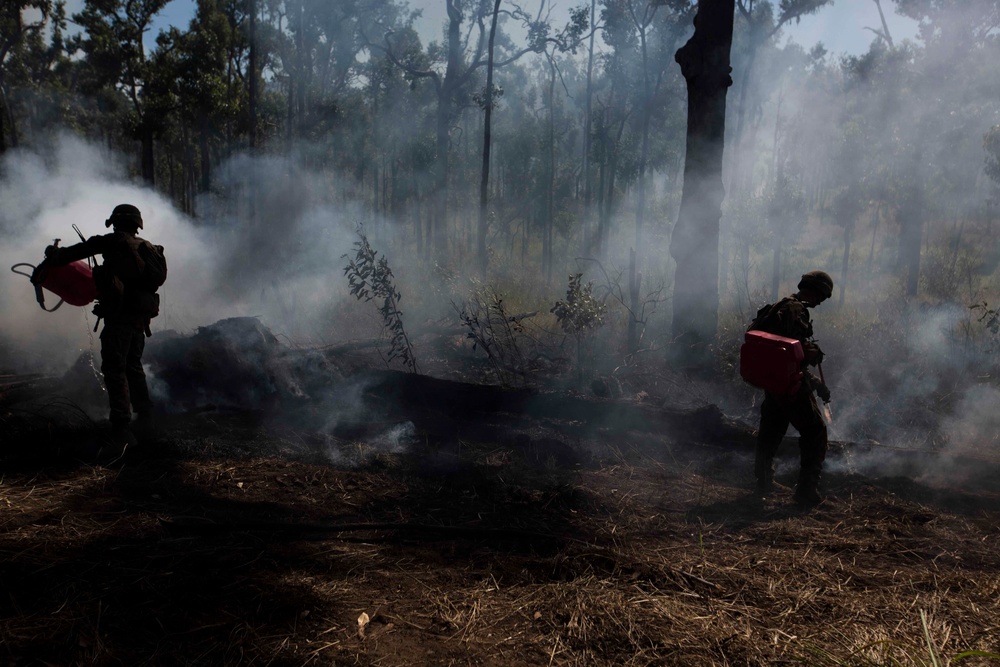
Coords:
766,314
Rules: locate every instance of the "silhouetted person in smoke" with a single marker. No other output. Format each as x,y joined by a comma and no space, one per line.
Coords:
127,280
789,317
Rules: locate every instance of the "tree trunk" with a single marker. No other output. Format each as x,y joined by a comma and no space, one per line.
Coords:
846,261
483,227
3,136
608,195
206,159
3,116
148,165
694,245
437,240
8,129
911,229
587,124
252,74
753,39
550,178
634,282
776,268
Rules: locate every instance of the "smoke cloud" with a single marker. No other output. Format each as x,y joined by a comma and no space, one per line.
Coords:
283,263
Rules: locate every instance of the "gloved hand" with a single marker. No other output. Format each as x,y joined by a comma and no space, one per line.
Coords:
823,392
813,355
38,275
50,251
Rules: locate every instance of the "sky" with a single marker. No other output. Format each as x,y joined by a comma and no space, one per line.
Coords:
841,27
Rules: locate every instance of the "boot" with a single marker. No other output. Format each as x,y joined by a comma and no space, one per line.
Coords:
763,471
144,426
765,484
807,493
119,440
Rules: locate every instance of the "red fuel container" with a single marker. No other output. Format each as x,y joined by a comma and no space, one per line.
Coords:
772,363
73,283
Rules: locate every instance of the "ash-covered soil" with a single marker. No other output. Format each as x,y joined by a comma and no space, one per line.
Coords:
437,523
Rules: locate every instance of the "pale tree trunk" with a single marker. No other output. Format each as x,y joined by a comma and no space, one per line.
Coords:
485,180
587,124
637,256
911,228
5,114
148,164
694,245
437,239
252,108
252,74
206,161
776,267
550,178
845,262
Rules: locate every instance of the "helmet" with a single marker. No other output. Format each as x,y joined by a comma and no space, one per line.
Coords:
124,214
819,281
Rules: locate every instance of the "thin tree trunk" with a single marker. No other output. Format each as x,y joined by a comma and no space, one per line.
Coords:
252,74
587,125
206,161
846,261
694,245
4,114
483,227
148,165
776,267
634,283
551,177
911,232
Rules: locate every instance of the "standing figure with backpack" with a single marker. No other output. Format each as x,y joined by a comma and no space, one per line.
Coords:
789,318
127,280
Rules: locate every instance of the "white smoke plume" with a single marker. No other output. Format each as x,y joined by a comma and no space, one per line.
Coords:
283,264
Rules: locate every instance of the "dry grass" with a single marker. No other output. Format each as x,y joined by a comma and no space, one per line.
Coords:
481,553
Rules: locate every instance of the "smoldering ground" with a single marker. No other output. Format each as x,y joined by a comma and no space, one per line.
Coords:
284,265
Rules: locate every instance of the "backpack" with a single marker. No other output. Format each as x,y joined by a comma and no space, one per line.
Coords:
763,321
151,263
130,282
769,361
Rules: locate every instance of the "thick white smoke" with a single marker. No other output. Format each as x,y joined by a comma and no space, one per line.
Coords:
44,195
283,264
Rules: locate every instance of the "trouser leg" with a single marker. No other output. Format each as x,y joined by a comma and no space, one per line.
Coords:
135,376
773,426
807,419
115,342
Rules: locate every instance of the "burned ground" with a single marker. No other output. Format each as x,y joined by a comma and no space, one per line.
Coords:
434,522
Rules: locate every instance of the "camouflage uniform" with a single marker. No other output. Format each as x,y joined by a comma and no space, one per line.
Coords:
126,321
790,318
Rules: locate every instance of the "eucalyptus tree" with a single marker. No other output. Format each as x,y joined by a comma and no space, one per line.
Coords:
543,41
16,38
643,35
694,244
317,47
115,57
488,102
762,26
395,130
194,67
949,89
453,68
611,144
